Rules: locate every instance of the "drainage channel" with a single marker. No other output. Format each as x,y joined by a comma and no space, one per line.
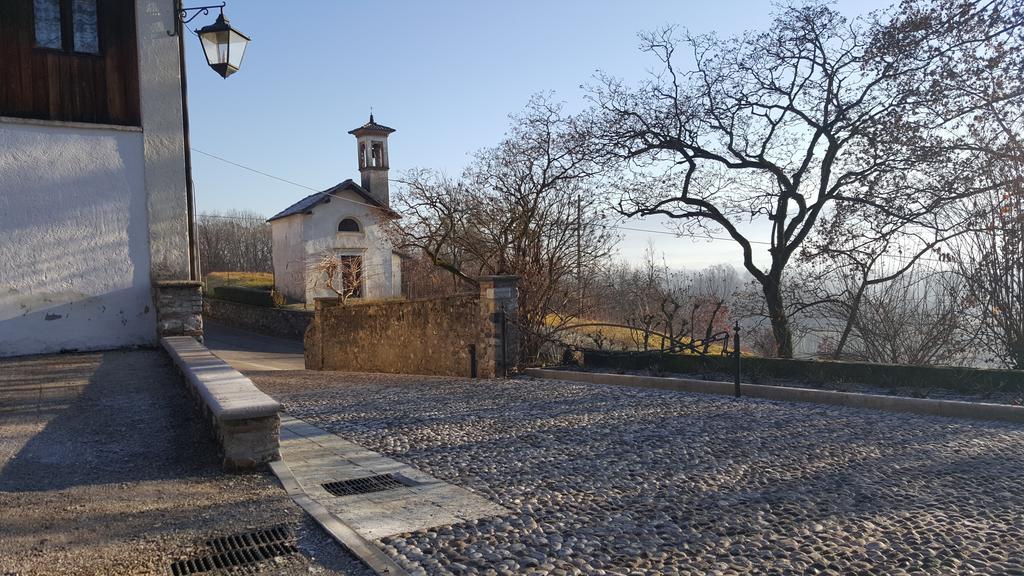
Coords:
368,484
239,552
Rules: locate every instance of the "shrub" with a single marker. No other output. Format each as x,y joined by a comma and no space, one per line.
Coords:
968,380
277,297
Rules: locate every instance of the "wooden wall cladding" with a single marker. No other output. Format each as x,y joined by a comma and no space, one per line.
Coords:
57,85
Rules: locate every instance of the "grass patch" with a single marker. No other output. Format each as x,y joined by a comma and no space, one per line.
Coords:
254,280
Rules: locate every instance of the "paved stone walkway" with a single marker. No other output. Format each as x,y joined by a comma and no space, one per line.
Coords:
316,457
607,480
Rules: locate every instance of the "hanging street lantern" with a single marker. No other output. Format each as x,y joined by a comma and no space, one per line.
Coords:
223,46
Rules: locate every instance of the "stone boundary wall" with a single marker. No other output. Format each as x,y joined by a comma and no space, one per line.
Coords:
279,322
460,335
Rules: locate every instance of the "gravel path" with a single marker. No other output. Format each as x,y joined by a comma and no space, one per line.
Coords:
106,469
607,480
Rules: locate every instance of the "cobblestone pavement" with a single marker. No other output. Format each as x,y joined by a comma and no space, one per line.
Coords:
607,480
105,468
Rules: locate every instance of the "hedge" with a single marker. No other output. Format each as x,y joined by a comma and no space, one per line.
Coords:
968,380
252,296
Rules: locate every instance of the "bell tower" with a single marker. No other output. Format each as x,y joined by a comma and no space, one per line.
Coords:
372,147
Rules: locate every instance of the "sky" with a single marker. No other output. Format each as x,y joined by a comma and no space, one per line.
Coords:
445,73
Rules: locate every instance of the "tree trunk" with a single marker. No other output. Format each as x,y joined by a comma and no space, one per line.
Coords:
780,322
1017,354
850,317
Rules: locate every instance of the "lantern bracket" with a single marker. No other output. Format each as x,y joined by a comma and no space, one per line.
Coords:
185,18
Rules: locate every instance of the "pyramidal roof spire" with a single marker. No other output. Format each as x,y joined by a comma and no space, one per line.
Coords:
372,126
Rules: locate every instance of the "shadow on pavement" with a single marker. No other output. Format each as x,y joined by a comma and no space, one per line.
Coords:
101,418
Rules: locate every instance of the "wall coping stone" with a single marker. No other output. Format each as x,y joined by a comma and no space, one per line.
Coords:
331,301
178,284
226,392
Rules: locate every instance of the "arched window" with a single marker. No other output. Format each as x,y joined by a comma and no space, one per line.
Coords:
348,225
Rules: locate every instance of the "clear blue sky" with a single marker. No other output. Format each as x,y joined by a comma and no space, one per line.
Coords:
445,74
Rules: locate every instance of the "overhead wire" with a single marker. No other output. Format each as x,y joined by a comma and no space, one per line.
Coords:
612,226
285,180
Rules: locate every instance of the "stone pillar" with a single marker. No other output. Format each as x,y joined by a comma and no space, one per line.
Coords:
313,338
499,312
179,308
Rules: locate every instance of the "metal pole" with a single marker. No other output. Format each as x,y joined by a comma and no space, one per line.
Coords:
504,340
472,360
736,353
194,271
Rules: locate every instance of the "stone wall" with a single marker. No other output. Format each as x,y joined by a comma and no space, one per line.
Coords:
279,322
459,335
179,308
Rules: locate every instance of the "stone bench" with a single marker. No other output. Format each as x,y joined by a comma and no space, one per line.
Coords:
245,420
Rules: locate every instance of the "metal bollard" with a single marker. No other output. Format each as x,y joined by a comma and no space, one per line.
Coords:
736,352
472,360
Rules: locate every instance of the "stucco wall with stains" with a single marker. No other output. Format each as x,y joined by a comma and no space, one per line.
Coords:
92,215
74,239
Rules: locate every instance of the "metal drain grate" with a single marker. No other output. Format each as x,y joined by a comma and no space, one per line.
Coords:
239,551
366,485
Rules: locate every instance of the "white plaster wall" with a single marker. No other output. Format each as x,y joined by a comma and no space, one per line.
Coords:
74,248
160,92
289,257
320,231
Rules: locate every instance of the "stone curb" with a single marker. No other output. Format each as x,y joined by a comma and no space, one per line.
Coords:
360,547
946,408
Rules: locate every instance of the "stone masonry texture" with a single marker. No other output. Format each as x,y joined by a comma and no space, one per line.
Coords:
462,335
279,322
417,337
249,443
179,308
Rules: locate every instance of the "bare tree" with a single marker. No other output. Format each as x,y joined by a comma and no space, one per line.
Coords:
919,318
524,207
712,290
665,308
234,241
789,124
645,296
992,262
991,258
854,251
339,273
422,278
